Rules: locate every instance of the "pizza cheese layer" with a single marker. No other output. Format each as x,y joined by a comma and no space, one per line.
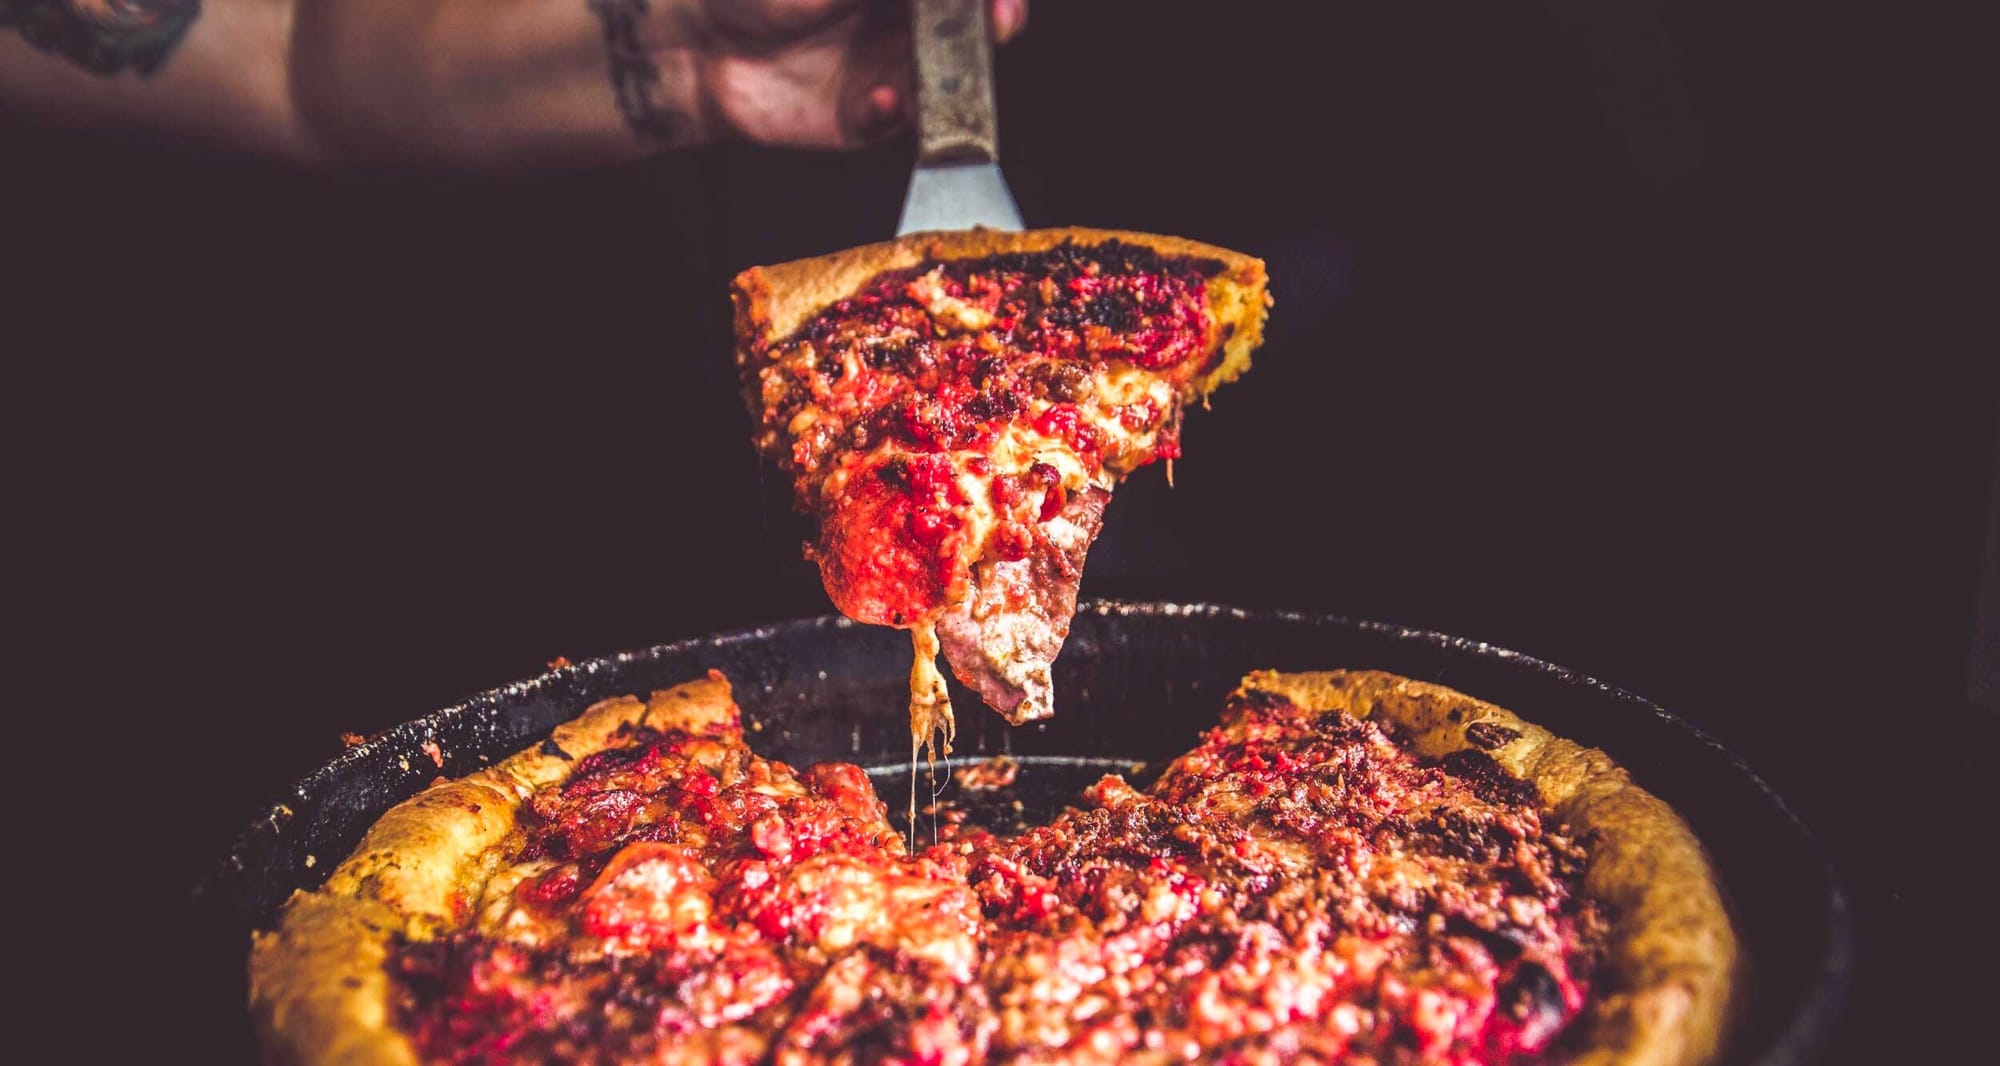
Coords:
956,424
1299,885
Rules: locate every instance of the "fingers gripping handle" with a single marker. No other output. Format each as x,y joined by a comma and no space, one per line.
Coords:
954,52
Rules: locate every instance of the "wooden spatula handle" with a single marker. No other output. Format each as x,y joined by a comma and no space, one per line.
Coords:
954,51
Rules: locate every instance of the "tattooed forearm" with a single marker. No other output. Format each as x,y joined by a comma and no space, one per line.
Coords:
634,76
104,36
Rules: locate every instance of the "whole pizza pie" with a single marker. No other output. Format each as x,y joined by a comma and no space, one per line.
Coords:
1349,867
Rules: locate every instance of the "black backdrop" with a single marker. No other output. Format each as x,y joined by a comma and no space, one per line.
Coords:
1640,340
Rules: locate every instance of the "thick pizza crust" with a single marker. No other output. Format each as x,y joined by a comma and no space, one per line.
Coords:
772,302
318,990
1664,995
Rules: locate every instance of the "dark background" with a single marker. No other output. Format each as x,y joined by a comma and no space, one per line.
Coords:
1654,341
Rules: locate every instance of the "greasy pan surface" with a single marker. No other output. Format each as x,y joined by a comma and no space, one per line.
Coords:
1135,684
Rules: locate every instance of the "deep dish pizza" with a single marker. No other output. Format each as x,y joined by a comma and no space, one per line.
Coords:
955,408
1350,867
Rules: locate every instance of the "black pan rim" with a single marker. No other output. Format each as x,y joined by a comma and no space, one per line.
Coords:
1810,1027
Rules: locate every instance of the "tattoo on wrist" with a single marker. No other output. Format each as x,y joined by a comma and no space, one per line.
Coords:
634,76
104,36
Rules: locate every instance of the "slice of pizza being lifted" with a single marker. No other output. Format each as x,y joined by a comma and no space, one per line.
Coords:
955,408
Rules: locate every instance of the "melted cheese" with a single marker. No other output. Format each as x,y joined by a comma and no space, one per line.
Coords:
931,722
1123,383
1019,447
945,309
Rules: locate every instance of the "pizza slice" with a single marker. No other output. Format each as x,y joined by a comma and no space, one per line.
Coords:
955,409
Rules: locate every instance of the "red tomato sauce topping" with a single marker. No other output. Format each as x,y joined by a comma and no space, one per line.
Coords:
1296,886
880,403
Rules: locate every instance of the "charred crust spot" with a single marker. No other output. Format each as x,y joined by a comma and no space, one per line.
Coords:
550,747
1488,736
895,473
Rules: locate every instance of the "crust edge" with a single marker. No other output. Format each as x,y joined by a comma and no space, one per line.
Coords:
782,296
318,993
1672,952
774,301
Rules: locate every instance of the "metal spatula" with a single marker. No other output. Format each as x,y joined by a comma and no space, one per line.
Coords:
957,183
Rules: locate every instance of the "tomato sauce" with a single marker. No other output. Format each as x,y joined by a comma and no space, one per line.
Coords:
886,399
1296,885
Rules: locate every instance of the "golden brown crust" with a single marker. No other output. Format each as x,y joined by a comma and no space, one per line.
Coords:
782,297
318,993
772,302
1665,996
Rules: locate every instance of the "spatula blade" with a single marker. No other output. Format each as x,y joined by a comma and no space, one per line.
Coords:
956,196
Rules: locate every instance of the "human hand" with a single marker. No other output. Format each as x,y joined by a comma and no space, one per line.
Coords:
811,73
495,85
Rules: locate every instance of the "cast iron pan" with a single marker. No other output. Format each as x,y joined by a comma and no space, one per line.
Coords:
1135,684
